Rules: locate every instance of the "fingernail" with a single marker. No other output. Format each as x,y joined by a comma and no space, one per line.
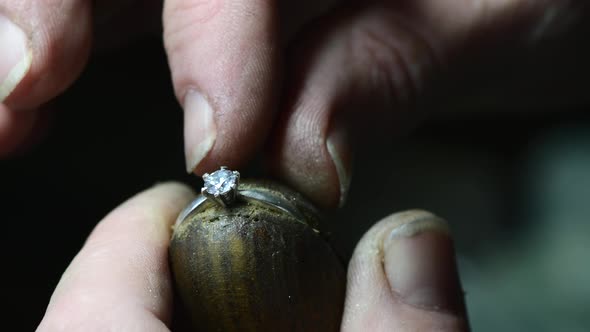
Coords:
199,129
15,56
420,265
339,148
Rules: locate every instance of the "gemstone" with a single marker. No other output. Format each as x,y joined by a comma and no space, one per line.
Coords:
220,182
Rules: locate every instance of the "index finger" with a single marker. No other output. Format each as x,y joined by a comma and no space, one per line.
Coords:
226,63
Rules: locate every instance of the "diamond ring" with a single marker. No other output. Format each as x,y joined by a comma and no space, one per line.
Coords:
222,188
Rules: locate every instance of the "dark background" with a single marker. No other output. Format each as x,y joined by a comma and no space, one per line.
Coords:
506,159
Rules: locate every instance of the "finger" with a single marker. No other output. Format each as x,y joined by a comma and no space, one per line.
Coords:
120,279
14,129
224,58
44,47
403,277
358,74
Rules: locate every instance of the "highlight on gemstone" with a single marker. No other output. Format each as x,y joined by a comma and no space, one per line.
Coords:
221,182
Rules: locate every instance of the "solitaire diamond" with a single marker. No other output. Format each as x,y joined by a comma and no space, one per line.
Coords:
221,182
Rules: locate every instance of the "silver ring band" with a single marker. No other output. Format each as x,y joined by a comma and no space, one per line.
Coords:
275,202
222,188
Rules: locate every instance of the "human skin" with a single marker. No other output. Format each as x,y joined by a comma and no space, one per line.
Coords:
297,79
301,81
402,275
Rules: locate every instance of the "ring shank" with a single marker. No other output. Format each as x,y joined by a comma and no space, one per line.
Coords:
248,195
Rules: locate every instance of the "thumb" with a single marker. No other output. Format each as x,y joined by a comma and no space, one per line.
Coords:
403,277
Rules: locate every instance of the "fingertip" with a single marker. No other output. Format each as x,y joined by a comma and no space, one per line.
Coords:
176,192
403,275
419,262
315,178
224,60
311,148
153,210
48,47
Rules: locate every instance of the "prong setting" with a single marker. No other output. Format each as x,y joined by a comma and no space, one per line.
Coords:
221,186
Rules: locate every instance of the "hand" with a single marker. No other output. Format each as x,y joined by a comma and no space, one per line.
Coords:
331,68
402,276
